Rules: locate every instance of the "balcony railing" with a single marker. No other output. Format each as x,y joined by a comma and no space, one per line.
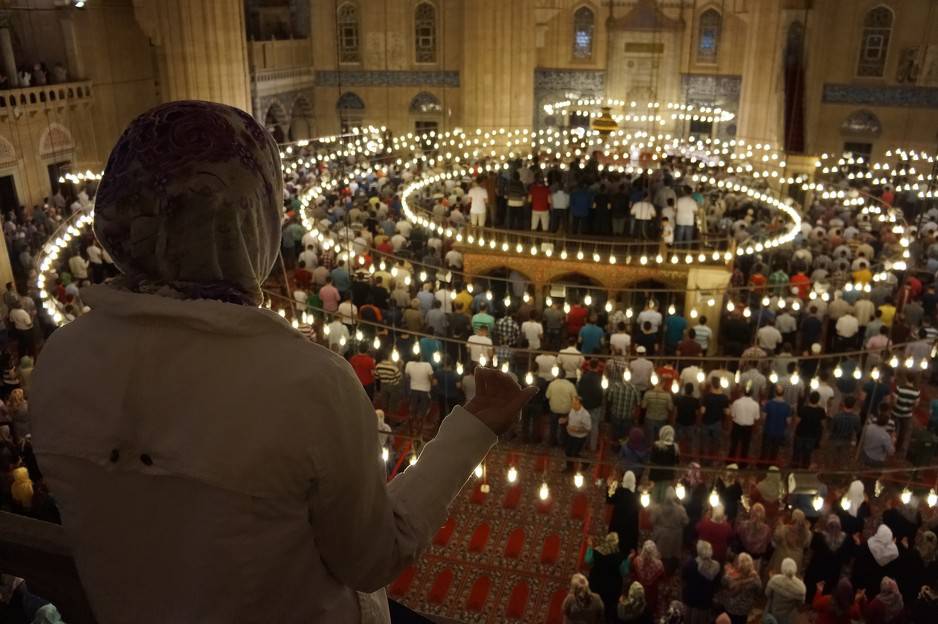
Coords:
45,97
279,54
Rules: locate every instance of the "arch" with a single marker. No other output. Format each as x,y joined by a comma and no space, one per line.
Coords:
276,120
425,32
7,152
351,111
301,119
709,28
861,123
425,104
584,26
55,140
348,41
874,41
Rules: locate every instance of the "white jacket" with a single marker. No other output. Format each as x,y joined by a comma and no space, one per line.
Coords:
212,466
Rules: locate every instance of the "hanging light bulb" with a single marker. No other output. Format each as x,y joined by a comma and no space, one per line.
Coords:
437,357
877,488
845,503
838,372
672,310
526,297
326,330
478,471
730,306
627,375
512,474
773,377
629,313
566,308
548,302
483,361
395,355
645,499
413,459
608,307
814,383
588,300
714,499
507,301
529,378
817,502
693,313
894,361
909,362
416,348
555,370
857,374
874,373
701,376
906,496
724,383
604,383
924,364
578,480
747,312
544,492
459,368
377,343
342,341
654,378
680,491
932,499
385,454
504,367
675,386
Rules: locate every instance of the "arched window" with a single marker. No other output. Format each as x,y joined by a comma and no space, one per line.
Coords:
351,111
708,36
874,43
425,32
347,33
584,22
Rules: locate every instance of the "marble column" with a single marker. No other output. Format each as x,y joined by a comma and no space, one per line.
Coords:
73,59
9,60
761,89
201,49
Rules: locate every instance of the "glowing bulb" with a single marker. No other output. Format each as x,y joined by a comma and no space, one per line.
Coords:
578,480
817,503
478,471
838,372
932,499
385,454
437,357
548,302
701,376
555,370
566,308
512,474
544,492
459,368
680,491
814,383
906,496
416,348
724,383
608,307
504,367
672,310
529,378
645,499
694,313
675,386
413,459
730,306
627,375
377,343
714,499
874,374
773,377
894,361
654,378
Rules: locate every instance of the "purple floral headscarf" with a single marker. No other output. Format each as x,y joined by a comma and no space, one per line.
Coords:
190,203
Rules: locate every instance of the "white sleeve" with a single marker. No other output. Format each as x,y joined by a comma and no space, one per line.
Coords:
368,530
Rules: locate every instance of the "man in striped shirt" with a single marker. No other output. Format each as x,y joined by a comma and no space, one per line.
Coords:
905,400
702,334
388,374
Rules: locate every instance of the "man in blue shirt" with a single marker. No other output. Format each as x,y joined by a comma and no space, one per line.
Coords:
674,326
591,336
581,203
777,412
340,278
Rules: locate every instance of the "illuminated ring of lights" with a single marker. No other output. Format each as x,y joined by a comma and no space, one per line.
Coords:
592,107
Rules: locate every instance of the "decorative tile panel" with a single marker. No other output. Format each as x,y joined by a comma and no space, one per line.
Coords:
578,80
880,95
390,78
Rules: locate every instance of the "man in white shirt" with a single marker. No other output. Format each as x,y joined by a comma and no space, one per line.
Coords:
692,375
445,296
78,267
533,331
702,334
545,363
620,341
404,227
685,217
744,412
847,328
579,425
650,315
453,260
478,202
641,370
420,377
642,214
480,345
570,360
559,206
338,336
768,337
96,261
308,257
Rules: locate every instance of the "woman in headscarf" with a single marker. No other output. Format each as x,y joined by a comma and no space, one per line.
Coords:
886,607
874,560
700,581
646,568
668,520
664,453
904,519
839,607
674,614
581,606
755,535
831,550
632,607
785,593
605,576
625,511
853,509
927,547
18,412
634,453
790,541
743,588
190,210
695,501
716,530
770,492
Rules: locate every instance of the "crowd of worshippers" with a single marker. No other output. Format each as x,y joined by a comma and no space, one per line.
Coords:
734,548
785,375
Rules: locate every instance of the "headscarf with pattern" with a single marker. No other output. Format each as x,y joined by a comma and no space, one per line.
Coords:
190,203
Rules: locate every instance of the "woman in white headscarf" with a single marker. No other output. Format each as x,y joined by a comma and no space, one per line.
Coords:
625,511
785,593
664,453
875,560
272,458
853,509
647,568
700,581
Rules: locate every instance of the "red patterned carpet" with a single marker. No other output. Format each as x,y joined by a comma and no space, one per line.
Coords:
506,555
